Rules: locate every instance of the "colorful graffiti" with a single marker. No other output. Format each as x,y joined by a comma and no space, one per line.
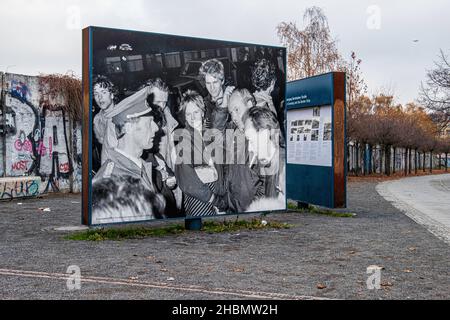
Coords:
20,140
37,144
19,90
13,188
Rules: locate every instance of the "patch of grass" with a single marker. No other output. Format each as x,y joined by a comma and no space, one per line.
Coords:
232,226
325,212
146,232
125,233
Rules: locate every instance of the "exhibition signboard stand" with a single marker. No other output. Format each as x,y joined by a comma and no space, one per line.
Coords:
316,136
163,130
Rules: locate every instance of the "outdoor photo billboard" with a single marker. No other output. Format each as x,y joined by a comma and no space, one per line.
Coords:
180,127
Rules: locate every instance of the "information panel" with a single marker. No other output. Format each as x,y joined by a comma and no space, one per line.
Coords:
310,136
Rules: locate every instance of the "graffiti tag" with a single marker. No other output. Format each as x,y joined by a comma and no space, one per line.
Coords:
19,189
42,150
64,167
20,165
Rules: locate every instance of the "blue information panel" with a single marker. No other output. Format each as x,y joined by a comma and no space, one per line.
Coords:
315,123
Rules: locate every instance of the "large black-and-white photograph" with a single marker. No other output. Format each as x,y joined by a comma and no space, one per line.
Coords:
185,127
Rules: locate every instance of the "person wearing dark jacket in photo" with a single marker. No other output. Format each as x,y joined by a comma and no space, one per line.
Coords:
238,182
198,177
164,182
163,155
262,176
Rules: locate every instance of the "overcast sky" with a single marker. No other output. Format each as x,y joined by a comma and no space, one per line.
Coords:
45,35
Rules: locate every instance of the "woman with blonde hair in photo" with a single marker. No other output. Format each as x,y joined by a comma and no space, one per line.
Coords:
200,179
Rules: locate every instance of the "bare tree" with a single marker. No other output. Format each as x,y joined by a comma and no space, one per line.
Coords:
312,50
356,86
435,93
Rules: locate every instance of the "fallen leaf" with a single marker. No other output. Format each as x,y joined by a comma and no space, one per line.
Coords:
352,252
321,286
133,278
238,270
386,284
164,270
159,262
170,279
412,249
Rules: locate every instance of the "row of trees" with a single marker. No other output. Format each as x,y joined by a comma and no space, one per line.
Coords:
373,121
377,121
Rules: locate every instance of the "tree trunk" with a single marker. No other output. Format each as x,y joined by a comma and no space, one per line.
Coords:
406,161
419,162
387,161
361,156
410,161
348,157
365,160
415,160
446,162
431,161
423,163
374,163
440,161
357,159
394,160
381,160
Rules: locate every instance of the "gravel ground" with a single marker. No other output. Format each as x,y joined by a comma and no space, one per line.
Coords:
287,264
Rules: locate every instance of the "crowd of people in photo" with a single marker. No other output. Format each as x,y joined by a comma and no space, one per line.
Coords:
219,154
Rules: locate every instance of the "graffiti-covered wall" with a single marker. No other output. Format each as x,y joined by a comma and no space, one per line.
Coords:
39,140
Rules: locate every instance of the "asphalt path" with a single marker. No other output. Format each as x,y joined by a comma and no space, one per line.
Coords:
424,199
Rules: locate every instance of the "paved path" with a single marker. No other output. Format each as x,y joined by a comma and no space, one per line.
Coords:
270,264
425,199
